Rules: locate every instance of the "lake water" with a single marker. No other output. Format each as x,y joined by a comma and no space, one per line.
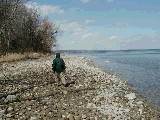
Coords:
141,68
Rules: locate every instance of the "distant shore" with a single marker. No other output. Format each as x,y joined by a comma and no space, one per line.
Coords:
28,91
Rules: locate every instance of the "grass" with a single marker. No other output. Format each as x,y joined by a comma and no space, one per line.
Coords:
11,57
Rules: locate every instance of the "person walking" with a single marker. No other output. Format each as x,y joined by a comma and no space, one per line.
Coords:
58,67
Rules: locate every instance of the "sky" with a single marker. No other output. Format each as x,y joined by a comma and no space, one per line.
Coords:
103,24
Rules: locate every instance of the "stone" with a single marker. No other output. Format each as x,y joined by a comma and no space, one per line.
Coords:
45,107
65,92
77,87
3,99
9,115
50,114
11,98
2,112
20,114
140,111
10,109
29,109
63,116
70,116
126,110
130,96
84,116
35,88
91,118
63,80
139,102
33,118
89,105
78,118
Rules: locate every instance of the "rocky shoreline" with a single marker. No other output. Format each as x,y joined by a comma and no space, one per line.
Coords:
28,92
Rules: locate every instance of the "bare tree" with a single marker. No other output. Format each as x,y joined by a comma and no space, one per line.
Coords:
23,30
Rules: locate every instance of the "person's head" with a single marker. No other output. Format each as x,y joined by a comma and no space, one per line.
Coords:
57,55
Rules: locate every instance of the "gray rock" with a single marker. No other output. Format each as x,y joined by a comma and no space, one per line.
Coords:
11,98
78,118
92,118
84,116
29,109
65,92
139,102
130,96
33,118
63,116
3,99
2,112
9,115
70,116
126,110
140,111
10,109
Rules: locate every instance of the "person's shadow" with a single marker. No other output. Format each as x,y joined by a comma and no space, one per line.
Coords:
69,83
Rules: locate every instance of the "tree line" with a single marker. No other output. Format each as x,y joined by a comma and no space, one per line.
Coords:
24,30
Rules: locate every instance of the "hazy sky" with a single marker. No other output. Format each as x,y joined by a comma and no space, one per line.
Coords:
104,24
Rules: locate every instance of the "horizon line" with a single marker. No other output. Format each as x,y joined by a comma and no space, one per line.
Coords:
106,49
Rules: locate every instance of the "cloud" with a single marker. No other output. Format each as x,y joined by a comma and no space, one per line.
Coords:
85,1
142,41
89,21
44,9
80,36
77,36
77,33
86,35
70,27
118,24
112,37
90,36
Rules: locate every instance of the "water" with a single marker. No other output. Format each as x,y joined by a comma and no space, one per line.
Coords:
141,68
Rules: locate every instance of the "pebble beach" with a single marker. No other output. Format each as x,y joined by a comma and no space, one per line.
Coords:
28,92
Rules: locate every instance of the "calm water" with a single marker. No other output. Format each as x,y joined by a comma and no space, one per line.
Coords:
141,68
